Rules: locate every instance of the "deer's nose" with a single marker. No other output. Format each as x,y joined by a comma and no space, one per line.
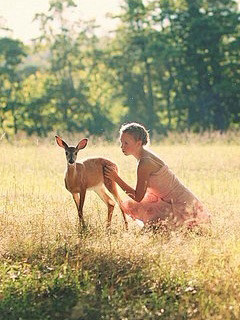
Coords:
71,161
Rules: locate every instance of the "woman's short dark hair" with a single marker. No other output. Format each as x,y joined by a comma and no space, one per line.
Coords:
137,130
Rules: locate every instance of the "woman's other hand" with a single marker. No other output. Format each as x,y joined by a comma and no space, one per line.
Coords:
110,172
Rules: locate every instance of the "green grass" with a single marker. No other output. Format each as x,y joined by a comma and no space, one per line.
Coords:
50,270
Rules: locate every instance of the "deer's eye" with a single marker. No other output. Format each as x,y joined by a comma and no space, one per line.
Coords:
66,153
75,153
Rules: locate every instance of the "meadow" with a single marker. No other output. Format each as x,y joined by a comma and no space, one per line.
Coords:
49,269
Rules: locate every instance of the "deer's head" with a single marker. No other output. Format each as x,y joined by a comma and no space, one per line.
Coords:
71,152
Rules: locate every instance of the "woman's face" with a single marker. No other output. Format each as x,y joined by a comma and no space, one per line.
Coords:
129,145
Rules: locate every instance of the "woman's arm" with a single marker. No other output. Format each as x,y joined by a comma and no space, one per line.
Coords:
111,173
125,187
143,173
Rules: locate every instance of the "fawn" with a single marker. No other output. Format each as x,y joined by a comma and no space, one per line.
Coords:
89,175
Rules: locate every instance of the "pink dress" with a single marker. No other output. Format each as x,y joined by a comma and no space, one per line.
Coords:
167,200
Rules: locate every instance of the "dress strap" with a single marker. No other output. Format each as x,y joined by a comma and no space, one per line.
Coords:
148,158
157,162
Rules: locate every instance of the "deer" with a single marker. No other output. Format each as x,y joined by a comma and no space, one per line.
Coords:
88,174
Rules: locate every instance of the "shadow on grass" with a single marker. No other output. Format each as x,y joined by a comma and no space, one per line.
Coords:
94,285
56,304
121,289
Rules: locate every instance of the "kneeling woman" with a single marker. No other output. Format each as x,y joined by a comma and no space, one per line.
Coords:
159,195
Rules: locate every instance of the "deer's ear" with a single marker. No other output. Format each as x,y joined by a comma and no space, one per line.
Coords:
61,143
82,144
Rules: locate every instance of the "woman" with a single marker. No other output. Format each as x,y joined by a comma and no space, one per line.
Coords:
159,196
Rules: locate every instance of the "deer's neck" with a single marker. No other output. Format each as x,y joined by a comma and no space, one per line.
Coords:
71,170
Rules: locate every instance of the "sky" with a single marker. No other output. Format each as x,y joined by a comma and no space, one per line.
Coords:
18,15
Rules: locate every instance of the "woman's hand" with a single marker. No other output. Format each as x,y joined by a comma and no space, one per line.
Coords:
110,172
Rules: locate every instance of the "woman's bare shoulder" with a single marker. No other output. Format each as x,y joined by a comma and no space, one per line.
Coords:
151,161
150,156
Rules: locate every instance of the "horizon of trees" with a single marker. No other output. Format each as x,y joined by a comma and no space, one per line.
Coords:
171,65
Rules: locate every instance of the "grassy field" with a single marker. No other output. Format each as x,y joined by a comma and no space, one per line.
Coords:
50,270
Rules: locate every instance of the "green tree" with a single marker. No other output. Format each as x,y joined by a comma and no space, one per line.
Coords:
131,58
73,48
12,105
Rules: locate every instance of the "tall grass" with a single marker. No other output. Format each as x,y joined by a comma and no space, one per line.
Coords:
50,269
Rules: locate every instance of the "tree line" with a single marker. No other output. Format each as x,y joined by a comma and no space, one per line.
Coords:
170,64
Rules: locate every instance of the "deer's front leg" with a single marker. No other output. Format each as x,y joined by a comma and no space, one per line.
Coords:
80,208
76,199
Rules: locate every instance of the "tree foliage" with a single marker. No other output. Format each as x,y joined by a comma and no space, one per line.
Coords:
171,64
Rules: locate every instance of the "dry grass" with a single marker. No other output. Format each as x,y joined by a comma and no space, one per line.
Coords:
184,275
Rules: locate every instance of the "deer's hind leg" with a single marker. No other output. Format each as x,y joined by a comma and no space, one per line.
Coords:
112,187
100,190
